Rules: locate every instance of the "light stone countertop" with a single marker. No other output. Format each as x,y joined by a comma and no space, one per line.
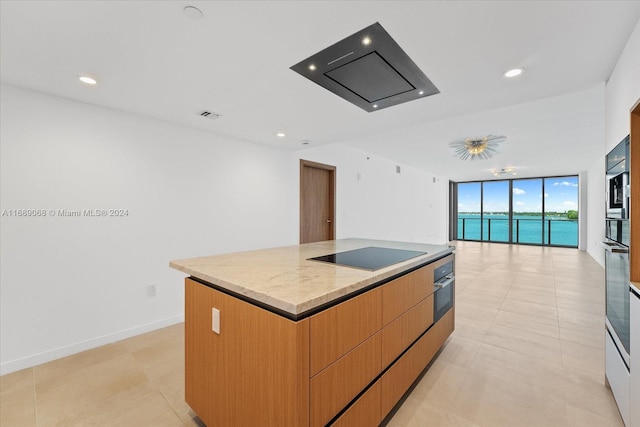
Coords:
285,279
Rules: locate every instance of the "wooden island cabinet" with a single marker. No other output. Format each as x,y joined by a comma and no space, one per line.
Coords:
345,359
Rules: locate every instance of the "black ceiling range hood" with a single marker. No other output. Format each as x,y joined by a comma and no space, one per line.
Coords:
369,70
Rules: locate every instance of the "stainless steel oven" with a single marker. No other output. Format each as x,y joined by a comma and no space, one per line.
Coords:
444,287
616,245
617,230
618,322
617,295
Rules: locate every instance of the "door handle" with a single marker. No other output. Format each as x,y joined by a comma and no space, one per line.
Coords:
444,283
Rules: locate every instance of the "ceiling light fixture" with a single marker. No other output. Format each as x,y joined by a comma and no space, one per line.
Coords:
366,41
514,72
312,67
477,148
421,92
281,134
87,80
503,171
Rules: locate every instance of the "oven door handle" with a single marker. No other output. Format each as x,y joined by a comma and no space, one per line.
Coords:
614,248
444,284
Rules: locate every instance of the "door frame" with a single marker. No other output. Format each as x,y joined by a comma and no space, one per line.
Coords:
332,193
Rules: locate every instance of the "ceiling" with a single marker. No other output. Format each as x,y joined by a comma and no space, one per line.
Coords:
151,59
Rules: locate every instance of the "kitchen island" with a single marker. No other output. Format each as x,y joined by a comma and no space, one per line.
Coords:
276,338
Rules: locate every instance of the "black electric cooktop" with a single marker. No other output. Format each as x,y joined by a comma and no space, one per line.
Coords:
370,258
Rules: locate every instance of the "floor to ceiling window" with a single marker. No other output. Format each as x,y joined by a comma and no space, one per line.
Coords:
469,201
495,211
527,211
537,211
561,211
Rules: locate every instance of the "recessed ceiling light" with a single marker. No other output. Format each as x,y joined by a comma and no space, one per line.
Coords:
375,105
366,41
421,92
193,12
514,72
281,134
312,67
87,80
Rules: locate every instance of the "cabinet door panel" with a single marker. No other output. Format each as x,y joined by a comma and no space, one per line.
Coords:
341,328
255,372
397,380
333,388
400,333
365,411
401,294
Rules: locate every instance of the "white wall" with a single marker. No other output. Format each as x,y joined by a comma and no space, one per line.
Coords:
72,283
68,284
595,209
373,201
621,92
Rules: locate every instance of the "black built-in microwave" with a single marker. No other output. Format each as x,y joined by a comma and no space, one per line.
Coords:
617,164
618,206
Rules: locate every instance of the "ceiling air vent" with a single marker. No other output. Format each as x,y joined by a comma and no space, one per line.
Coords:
210,115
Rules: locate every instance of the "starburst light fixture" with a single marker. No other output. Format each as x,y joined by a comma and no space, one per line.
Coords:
477,148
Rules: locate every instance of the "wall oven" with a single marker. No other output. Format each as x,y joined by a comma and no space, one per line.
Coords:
616,244
617,295
444,290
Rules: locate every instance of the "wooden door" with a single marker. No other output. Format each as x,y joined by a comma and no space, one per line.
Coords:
317,202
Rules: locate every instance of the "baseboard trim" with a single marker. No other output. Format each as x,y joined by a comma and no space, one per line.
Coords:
58,353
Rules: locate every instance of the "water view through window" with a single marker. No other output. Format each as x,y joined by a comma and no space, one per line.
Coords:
540,211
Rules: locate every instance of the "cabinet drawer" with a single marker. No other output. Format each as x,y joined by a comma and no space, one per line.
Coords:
401,294
365,411
333,388
337,330
397,380
400,333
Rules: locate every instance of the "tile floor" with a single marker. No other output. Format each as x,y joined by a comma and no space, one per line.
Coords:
528,350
